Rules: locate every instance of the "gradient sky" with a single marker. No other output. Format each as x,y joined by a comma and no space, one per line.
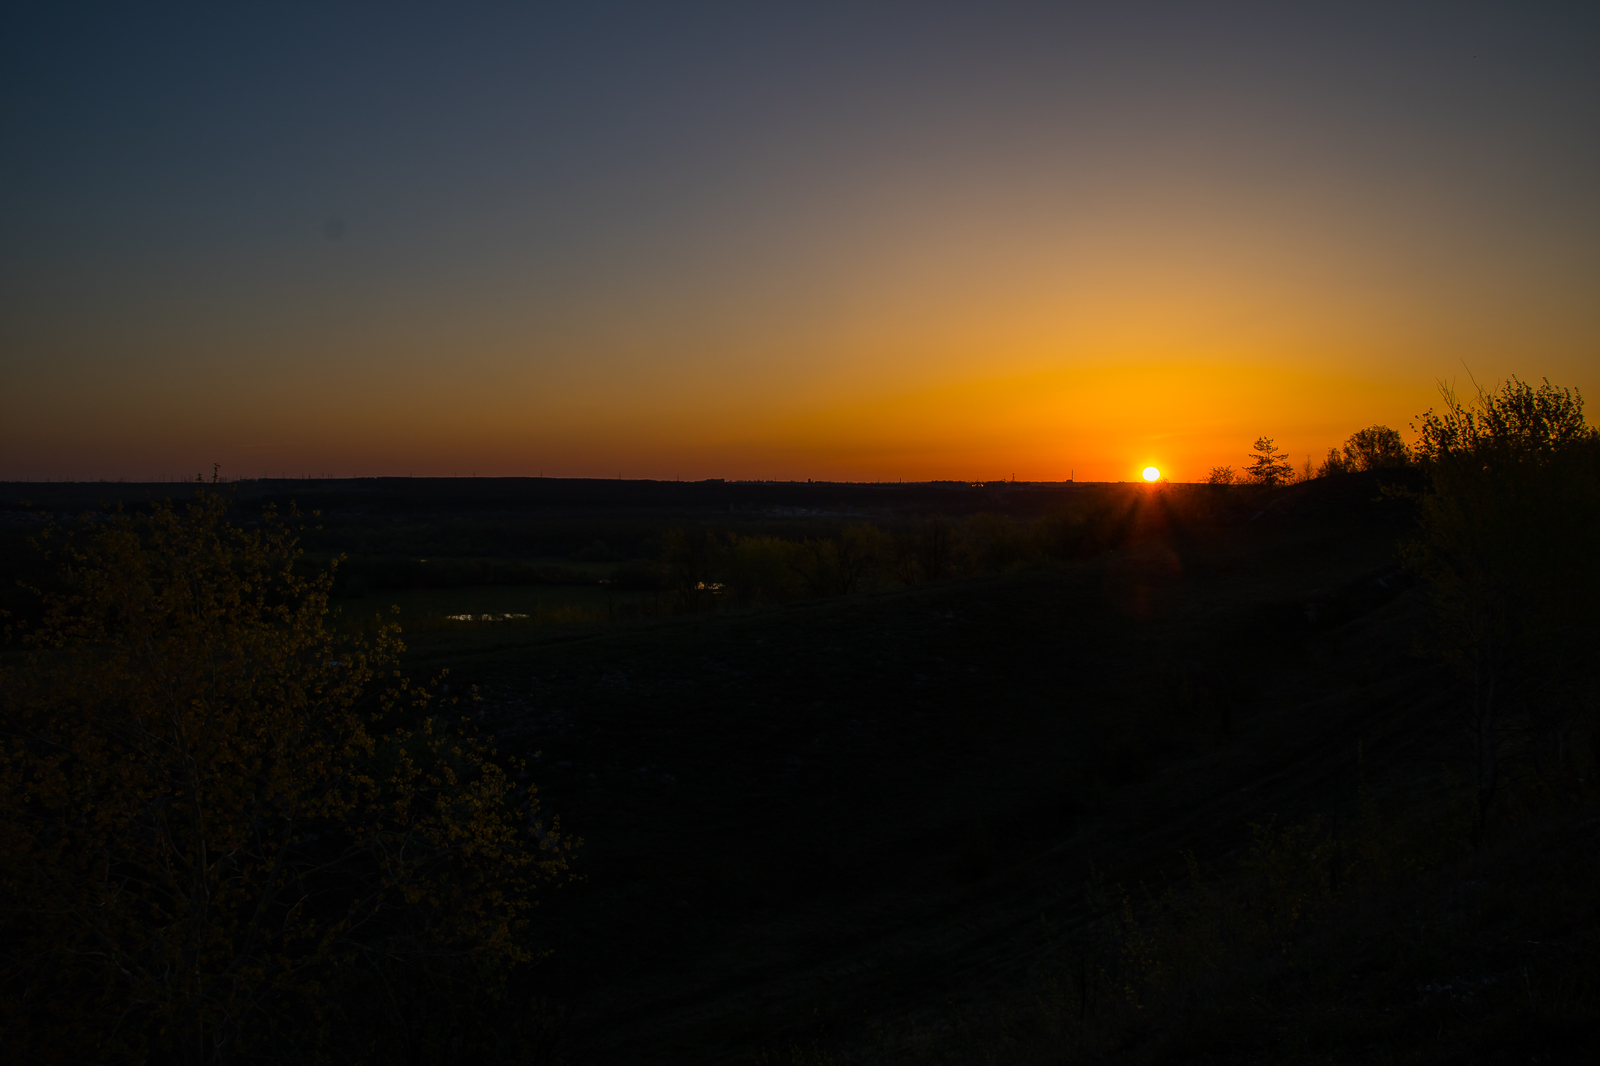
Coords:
869,241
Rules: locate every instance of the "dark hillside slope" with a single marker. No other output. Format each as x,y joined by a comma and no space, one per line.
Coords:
816,823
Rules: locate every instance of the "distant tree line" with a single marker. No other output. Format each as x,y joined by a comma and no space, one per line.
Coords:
1373,448
703,568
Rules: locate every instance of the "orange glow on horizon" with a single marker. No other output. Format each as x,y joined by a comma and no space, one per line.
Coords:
1105,271
1044,425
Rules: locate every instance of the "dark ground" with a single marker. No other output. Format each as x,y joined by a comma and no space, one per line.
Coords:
835,825
852,829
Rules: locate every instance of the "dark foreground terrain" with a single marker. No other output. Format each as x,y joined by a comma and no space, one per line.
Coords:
1189,797
864,829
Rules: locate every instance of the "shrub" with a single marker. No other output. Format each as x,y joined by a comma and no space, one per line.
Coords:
220,820
1506,554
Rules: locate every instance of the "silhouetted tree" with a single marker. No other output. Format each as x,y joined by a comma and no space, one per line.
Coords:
1268,465
1221,475
1376,448
1373,448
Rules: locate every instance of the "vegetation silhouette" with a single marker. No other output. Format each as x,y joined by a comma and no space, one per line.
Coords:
1268,465
231,833
1373,448
1112,773
1506,553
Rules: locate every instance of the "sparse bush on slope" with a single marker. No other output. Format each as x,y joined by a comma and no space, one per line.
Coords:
229,834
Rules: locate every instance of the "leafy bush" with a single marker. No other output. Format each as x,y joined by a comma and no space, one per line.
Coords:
222,824
1506,554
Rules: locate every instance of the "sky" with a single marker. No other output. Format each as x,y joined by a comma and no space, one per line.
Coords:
857,241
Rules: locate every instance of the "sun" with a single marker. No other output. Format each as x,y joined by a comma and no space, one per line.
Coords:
1152,474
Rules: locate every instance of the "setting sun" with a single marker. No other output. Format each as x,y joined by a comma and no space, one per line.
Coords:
1152,474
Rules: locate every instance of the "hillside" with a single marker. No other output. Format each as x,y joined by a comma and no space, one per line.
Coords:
1173,784
861,829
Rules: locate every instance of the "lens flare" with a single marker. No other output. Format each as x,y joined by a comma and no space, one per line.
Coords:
1152,474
